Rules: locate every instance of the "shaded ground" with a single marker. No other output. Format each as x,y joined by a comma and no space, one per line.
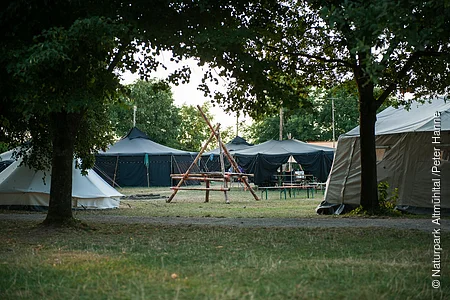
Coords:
317,222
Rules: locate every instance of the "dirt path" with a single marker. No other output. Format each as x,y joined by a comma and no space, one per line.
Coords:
316,222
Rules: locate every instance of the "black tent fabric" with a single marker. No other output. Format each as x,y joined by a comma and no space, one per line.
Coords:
4,164
135,160
210,160
264,159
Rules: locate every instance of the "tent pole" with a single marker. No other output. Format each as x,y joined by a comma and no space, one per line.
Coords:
332,117
222,166
148,179
115,170
281,124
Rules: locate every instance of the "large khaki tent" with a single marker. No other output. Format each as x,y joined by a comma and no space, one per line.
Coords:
24,188
408,144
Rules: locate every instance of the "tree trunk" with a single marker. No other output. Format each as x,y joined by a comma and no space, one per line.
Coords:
64,127
367,119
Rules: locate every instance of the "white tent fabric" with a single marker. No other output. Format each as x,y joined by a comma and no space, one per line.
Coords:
21,186
404,157
419,118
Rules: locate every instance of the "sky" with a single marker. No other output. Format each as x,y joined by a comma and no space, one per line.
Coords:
188,93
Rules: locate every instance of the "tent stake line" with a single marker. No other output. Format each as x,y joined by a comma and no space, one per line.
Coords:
213,176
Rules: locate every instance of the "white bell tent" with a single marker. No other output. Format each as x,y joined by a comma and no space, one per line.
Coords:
24,188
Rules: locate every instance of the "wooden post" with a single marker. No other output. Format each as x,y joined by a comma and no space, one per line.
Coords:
228,155
207,191
193,163
115,170
222,167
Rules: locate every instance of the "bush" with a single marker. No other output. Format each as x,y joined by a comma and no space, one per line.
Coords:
387,202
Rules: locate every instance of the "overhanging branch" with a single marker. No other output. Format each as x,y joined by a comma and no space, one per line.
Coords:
117,57
402,73
311,56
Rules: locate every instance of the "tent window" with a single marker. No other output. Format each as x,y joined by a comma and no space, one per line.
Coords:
381,151
445,154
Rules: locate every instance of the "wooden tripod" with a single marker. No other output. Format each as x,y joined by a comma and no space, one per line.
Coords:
207,177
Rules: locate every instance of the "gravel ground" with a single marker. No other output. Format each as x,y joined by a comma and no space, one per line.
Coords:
316,222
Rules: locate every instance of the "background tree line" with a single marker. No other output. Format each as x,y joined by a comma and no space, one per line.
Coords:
314,122
157,115
183,128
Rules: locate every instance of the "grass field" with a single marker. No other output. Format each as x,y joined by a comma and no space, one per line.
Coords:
191,204
142,261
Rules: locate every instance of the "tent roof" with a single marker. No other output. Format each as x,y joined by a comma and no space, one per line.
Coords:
137,142
136,133
419,118
239,141
285,147
235,144
8,155
18,178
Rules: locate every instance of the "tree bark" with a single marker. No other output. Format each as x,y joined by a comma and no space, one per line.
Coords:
64,127
367,119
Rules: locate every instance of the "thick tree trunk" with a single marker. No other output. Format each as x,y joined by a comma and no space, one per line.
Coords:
367,119
64,127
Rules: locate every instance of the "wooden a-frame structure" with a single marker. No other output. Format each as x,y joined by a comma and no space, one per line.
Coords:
207,177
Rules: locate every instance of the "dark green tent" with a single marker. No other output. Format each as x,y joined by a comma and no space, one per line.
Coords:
264,159
210,161
135,160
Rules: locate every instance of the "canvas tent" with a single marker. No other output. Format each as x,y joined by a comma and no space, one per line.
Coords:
405,151
135,160
210,160
24,188
264,159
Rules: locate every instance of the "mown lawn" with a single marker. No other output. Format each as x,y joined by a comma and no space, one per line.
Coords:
191,204
141,261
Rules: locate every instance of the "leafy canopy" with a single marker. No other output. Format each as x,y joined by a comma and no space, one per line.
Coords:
64,57
193,129
156,113
66,70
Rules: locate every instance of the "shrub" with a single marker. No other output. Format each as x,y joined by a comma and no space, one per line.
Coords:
387,202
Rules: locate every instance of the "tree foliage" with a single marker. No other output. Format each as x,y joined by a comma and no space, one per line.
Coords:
314,123
60,63
156,113
193,129
65,71
389,45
